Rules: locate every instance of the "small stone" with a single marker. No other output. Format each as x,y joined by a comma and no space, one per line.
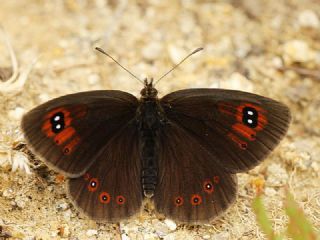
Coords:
237,81
170,224
20,161
91,232
64,231
270,192
43,97
277,62
152,51
176,54
298,51
93,79
17,113
277,175
124,237
308,18
62,206
222,236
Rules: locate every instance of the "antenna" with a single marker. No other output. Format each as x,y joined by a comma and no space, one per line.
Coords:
103,52
178,64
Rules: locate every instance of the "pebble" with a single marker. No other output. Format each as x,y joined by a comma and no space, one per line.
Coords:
17,113
298,51
20,161
236,81
270,192
152,51
124,237
8,193
170,224
94,79
308,18
176,54
91,232
62,206
277,175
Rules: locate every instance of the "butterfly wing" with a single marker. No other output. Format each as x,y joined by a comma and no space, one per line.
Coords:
191,187
238,129
210,135
111,188
70,132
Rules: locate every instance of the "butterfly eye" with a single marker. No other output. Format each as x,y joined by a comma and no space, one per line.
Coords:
178,201
196,199
104,197
93,185
120,200
208,186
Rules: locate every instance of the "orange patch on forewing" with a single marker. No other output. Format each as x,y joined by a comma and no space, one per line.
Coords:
242,144
262,122
69,148
245,131
65,112
63,136
46,128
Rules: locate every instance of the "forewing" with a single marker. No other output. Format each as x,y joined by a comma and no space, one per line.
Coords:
239,129
192,188
69,132
111,188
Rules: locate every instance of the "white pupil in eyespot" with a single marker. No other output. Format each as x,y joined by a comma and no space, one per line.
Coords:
58,126
93,184
250,121
56,118
250,113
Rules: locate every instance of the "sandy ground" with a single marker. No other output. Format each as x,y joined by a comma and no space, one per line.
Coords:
268,47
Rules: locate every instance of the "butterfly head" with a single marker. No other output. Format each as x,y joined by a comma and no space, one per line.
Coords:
148,91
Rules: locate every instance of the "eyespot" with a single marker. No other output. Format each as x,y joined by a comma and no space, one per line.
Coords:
93,185
208,186
196,200
57,122
250,117
178,201
120,200
104,197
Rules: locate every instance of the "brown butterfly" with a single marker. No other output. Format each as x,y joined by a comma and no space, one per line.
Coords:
183,150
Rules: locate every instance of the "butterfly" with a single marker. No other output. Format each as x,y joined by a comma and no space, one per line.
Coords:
183,150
